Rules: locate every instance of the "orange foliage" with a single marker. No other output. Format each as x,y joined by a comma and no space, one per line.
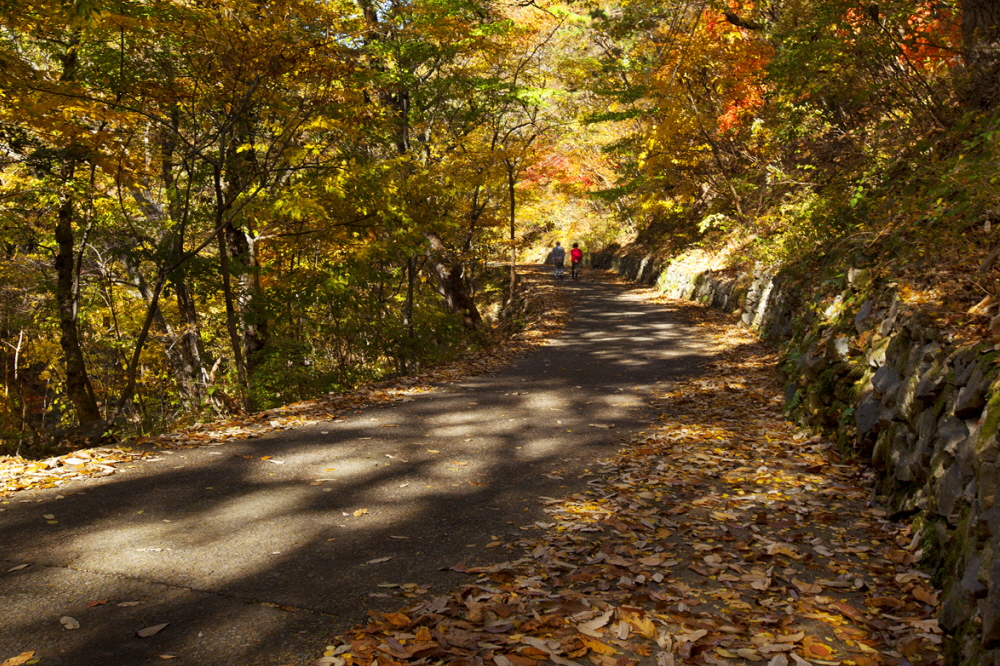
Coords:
746,59
932,37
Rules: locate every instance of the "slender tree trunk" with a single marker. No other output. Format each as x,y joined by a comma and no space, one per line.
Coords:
242,253
981,40
161,327
513,248
190,337
250,297
231,323
78,385
411,280
177,205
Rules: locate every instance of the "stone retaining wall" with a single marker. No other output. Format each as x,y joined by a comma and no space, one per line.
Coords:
925,410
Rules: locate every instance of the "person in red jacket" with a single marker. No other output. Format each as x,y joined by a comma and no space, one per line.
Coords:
575,257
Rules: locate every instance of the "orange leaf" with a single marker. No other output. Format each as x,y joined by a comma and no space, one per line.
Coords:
597,646
397,620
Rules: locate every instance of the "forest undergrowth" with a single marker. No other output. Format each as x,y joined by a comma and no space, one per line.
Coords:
543,311
723,534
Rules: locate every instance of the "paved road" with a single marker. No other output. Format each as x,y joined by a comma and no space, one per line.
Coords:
253,562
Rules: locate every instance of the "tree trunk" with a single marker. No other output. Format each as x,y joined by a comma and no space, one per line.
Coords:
981,41
190,334
190,337
78,386
177,345
408,344
513,248
253,320
451,283
161,327
231,323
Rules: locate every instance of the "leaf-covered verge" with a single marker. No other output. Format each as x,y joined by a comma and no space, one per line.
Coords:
542,312
721,535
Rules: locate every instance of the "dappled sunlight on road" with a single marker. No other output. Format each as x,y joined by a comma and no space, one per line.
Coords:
301,530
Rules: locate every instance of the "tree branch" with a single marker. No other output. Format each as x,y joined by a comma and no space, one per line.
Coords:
746,24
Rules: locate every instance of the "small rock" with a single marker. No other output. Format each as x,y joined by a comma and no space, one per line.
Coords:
886,382
866,416
970,580
862,320
972,397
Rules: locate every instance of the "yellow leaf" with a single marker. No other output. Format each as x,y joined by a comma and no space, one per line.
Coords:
19,659
597,646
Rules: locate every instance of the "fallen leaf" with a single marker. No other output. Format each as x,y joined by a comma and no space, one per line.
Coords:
97,603
379,560
692,636
807,588
590,627
886,603
360,512
18,568
126,604
69,622
22,658
151,631
329,661
599,647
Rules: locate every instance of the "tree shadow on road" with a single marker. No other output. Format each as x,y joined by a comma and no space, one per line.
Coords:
256,550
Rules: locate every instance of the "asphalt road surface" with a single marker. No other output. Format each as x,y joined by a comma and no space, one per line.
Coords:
258,562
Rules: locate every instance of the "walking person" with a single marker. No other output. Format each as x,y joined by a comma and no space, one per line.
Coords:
558,257
575,257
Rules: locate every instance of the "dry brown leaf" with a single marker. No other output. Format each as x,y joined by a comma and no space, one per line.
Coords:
601,660
925,595
807,588
151,631
691,636
590,627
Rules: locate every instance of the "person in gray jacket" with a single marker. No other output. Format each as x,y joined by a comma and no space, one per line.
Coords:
558,258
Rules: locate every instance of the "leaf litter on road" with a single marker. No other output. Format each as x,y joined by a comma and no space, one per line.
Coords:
722,535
